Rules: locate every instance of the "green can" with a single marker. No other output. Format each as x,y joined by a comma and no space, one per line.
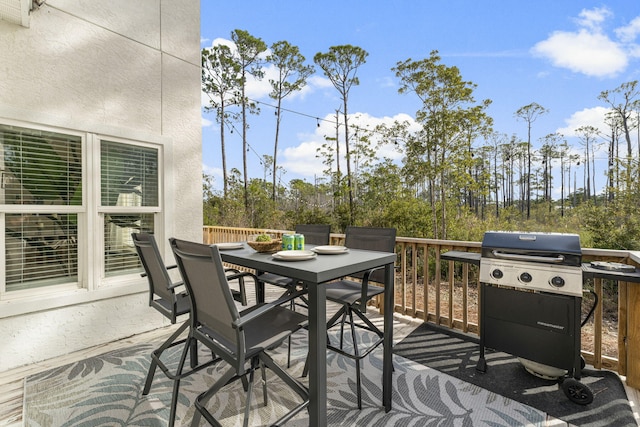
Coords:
299,242
288,242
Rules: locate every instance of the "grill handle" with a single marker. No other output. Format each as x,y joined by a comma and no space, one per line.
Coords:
533,258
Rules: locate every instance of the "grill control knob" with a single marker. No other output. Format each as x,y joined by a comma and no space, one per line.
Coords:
525,278
557,281
497,274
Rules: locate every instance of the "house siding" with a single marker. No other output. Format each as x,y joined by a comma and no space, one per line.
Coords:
122,68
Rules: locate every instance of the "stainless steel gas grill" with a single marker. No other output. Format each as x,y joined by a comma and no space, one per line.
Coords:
531,296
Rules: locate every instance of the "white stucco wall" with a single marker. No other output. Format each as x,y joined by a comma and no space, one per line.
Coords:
123,68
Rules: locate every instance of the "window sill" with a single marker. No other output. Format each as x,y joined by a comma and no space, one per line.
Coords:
19,307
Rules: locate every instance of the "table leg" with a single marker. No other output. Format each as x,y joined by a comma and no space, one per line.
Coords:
387,365
260,289
317,356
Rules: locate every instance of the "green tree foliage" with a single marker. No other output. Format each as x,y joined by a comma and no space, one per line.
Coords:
529,113
340,64
220,82
450,118
608,229
292,77
249,59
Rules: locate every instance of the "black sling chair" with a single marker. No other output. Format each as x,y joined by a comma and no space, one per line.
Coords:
164,297
239,338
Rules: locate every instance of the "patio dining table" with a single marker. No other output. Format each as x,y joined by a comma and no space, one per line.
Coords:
313,273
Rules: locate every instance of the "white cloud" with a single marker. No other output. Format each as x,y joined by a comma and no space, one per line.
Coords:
320,82
589,50
588,117
258,89
206,122
593,54
629,33
387,81
226,42
594,18
302,159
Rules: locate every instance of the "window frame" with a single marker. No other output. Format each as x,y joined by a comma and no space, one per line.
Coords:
80,210
101,210
92,285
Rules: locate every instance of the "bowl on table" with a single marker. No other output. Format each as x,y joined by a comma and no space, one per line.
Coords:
273,245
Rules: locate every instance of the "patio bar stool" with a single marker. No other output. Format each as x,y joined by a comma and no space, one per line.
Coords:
354,293
241,339
164,297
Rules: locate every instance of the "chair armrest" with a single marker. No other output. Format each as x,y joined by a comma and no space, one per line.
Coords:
239,274
255,314
176,285
365,278
241,295
168,267
365,284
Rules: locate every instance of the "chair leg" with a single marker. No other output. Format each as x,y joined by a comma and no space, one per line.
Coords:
264,384
344,315
357,360
243,293
176,382
158,352
247,408
296,386
370,325
292,306
204,397
193,353
305,370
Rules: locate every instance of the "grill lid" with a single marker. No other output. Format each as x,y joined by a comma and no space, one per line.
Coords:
557,248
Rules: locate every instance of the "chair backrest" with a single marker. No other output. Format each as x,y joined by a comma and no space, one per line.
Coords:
212,304
159,280
315,234
373,239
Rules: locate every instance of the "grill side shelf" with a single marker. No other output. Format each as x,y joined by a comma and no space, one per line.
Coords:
589,272
462,256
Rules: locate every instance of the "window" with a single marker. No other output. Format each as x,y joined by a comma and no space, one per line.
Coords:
50,191
129,196
41,191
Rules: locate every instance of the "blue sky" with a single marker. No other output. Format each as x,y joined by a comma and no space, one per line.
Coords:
559,54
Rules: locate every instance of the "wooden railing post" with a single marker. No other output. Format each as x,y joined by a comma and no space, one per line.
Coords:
633,336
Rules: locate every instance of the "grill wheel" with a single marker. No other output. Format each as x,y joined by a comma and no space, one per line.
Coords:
577,392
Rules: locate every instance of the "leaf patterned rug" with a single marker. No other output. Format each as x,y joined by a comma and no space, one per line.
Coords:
456,354
106,390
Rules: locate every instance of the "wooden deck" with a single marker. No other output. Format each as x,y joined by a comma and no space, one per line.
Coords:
12,382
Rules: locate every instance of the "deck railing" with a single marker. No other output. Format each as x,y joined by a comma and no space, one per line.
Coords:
446,292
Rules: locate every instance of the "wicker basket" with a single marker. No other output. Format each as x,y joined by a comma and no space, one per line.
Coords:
271,246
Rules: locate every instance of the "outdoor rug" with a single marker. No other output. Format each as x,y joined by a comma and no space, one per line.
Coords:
456,354
106,391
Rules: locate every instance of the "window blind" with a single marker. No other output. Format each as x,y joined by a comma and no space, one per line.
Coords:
129,175
40,167
43,170
41,250
129,181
